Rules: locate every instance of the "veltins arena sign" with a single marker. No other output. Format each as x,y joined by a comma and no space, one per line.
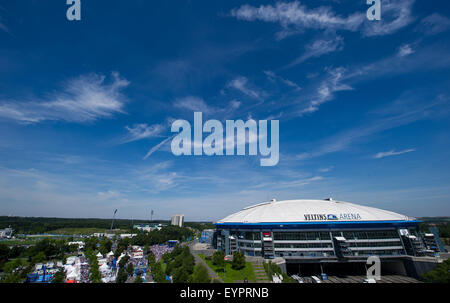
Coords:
332,217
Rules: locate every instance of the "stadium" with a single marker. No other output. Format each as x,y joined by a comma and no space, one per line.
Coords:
312,234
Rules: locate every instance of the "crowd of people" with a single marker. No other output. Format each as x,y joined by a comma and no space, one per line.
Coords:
159,250
84,270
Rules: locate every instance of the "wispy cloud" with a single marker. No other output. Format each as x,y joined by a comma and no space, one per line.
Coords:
83,99
326,169
3,27
325,91
396,15
274,77
434,24
398,113
405,50
294,16
143,130
157,147
392,153
318,48
193,103
241,84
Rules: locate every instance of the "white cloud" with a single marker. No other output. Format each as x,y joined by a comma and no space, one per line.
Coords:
293,14
392,153
294,17
395,14
83,99
325,91
434,24
193,103
405,50
318,48
142,131
241,84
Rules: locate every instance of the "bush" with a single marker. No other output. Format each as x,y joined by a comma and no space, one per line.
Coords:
238,261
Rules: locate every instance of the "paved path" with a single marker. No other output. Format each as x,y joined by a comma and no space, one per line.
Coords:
198,260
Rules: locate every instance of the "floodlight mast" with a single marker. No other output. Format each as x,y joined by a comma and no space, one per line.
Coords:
112,222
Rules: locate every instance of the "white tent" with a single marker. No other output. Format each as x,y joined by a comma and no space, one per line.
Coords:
110,254
72,276
99,255
104,267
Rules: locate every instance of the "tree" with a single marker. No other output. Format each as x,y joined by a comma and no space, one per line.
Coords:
151,258
130,269
59,276
157,273
200,274
91,243
238,261
218,259
138,279
105,246
124,261
11,278
39,258
4,253
181,275
440,274
122,276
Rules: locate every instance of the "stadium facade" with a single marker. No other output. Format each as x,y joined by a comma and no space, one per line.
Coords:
320,231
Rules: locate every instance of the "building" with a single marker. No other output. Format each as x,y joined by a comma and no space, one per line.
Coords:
147,227
177,220
321,231
207,236
6,233
143,227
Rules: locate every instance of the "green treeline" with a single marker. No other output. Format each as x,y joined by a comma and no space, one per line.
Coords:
32,225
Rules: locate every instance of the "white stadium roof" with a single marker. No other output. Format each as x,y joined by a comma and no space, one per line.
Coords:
310,211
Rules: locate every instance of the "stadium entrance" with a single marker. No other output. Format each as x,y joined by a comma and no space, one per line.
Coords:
388,267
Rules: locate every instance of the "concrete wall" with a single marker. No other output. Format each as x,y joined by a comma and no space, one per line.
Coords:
415,267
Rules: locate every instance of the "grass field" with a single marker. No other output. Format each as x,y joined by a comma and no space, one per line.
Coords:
77,231
85,231
230,275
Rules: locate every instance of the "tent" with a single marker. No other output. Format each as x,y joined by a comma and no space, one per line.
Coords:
104,267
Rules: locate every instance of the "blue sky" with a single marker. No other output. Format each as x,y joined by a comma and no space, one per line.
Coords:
363,106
